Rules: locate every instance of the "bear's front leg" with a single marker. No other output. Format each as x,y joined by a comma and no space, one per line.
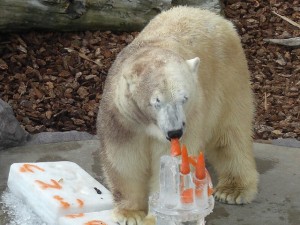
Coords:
233,160
126,172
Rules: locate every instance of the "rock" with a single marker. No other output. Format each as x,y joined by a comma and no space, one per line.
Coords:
55,137
11,133
276,132
288,142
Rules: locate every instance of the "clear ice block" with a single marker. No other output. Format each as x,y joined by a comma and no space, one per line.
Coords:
93,218
169,206
187,192
169,182
55,189
201,192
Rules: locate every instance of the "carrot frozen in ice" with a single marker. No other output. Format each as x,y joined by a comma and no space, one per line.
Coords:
200,167
210,191
54,184
75,215
29,168
95,222
187,196
192,160
185,166
80,202
175,147
62,202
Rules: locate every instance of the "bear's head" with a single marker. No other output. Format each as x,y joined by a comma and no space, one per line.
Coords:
157,89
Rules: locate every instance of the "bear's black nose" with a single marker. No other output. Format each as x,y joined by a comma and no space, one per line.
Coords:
175,134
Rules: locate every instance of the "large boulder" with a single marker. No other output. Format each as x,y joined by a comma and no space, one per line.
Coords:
11,133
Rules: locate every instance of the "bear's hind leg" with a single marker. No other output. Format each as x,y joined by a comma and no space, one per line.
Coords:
233,160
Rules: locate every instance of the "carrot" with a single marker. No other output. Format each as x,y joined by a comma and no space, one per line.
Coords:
198,192
175,147
62,202
95,222
54,185
192,160
80,202
29,168
200,167
210,191
185,166
187,195
75,215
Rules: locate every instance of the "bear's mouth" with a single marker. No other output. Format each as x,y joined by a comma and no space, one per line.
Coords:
174,134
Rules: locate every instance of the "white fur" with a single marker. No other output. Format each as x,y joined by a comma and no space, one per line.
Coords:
167,87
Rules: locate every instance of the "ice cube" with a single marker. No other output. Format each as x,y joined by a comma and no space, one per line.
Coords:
55,189
187,191
169,182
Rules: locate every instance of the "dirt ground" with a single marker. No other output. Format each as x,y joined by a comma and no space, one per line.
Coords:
54,81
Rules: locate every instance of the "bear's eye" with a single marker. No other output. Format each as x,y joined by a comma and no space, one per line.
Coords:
157,103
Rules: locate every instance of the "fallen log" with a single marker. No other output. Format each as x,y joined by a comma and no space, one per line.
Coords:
292,42
75,15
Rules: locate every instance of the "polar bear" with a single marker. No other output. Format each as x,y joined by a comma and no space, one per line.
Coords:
184,76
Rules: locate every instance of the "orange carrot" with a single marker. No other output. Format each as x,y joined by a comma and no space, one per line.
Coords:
54,185
95,222
28,168
192,160
185,166
210,191
200,167
198,192
80,202
61,201
175,147
187,195
75,215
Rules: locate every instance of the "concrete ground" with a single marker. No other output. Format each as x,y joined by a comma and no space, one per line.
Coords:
277,203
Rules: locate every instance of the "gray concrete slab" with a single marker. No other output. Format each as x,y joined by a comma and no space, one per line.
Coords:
277,203
278,199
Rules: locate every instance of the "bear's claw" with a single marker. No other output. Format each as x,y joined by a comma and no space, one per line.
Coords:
234,195
128,217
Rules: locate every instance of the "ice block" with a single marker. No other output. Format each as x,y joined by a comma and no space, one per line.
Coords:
169,180
94,218
55,189
185,195
187,186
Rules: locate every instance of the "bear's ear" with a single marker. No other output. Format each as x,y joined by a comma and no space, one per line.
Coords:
129,82
193,64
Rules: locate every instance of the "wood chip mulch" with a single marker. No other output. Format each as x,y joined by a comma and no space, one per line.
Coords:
54,81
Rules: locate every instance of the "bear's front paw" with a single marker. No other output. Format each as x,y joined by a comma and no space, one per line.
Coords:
128,217
233,193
